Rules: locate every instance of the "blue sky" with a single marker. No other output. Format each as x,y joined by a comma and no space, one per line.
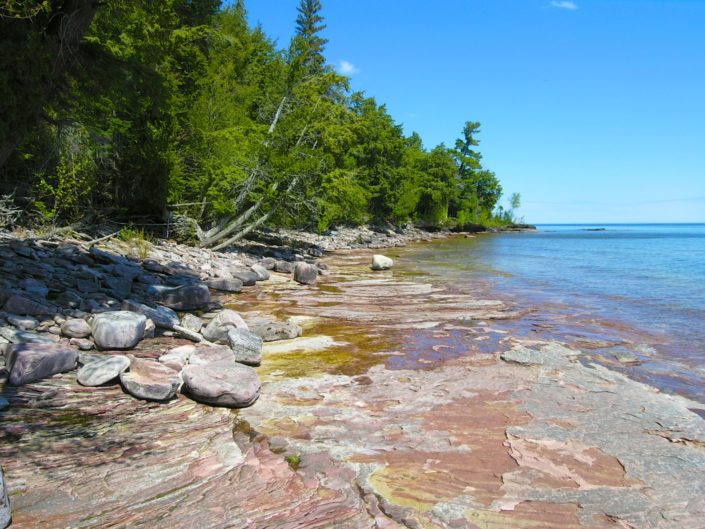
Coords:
593,110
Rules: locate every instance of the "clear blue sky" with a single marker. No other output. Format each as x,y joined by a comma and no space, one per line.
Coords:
593,110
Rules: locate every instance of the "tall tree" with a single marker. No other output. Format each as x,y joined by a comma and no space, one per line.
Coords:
309,24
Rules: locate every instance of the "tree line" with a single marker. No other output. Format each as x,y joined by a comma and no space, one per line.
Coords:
181,109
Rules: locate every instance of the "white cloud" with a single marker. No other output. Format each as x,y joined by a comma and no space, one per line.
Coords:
564,4
347,68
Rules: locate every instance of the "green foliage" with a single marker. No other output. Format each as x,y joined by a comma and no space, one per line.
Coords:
294,461
139,241
181,104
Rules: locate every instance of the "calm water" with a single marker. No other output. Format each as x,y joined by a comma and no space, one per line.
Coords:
636,290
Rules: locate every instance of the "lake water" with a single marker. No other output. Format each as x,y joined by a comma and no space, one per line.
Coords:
612,290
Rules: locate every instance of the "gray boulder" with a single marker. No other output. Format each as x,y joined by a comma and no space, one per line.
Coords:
284,267
271,332
102,370
217,329
5,510
248,277
84,344
24,323
150,380
233,386
246,346
192,322
381,262
184,297
306,274
161,316
225,284
76,328
261,271
219,355
118,330
32,362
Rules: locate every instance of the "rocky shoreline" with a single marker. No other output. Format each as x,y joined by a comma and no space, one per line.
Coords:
350,429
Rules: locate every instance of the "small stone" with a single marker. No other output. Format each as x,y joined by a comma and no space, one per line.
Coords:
262,272
118,330
234,386
102,371
246,346
32,362
306,274
150,380
381,262
192,322
178,357
217,329
82,343
76,328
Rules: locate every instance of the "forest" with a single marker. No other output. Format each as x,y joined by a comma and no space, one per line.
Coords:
180,111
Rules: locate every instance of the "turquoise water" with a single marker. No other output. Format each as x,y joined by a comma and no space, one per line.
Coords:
633,289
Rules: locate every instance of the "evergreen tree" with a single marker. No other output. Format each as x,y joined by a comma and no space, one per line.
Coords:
309,24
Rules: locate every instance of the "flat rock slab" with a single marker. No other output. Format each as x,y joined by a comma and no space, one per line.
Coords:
185,297
234,386
275,331
118,330
33,362
220,354
150,380
103,370
225,284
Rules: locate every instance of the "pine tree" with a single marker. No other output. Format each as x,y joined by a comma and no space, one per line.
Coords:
309,24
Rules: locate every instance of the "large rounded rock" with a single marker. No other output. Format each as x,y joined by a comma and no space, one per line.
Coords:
246,346
150,380
235,386
381,262
102,370
271,332
76,328
32,362
219,355
185,297
217,329
306,274
5,510
118,330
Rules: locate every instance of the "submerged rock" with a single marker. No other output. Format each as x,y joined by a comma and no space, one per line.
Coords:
150,380
32,362
234,386
381,262
246,346
306,274
118,330
102,370
274,331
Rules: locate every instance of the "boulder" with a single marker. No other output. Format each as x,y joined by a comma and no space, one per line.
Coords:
184,297
118,330
284,267
220,355
83,344
261,271
178,357
268,263
225,284
381,262
217,329
234,386
102,370
161,316
246,346
76,328
271,332
192,322
150,380
306,274
248,277
24,323
5,510
32,362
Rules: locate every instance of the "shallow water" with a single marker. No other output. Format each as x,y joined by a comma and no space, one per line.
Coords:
625,290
